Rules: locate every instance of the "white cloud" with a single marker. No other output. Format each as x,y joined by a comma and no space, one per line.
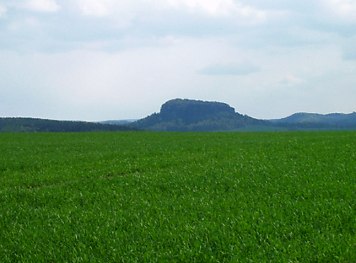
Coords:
343,9
26,23
47,6
219,8
237,69
3,10
119,14
98,8
212,7
290,80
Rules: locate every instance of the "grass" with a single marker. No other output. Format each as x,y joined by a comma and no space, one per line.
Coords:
178,197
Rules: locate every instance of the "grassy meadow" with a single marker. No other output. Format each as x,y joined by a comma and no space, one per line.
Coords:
178,197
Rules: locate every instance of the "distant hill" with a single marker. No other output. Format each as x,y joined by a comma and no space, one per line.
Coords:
196,115
42,125
189,115
319,121
118,122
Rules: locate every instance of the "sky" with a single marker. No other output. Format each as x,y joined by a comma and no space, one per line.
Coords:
99,60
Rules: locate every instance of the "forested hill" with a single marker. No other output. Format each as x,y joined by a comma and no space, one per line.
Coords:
196,115
42,125
315,120
189,115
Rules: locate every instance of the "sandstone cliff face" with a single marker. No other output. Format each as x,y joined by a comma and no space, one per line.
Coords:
190,111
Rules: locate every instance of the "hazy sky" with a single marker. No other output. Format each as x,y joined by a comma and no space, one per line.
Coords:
121,59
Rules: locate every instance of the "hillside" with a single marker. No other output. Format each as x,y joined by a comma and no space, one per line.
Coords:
189,115
319,121
42,125
196,115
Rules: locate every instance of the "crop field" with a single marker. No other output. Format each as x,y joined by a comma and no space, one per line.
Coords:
178,197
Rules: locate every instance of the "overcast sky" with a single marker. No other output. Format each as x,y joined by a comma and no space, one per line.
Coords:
121,59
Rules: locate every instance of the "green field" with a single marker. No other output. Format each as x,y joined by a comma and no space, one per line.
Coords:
178,197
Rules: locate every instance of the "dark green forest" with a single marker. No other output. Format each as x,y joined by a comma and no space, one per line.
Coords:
42,125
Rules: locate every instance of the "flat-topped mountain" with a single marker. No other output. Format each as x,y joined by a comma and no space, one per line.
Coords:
196,115
191,111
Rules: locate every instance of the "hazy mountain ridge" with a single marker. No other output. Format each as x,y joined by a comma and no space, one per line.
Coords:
118,122
196,115
335,120
44,125
189,115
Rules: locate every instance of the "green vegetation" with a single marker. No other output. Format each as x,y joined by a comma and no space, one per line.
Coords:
178,197
42,125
